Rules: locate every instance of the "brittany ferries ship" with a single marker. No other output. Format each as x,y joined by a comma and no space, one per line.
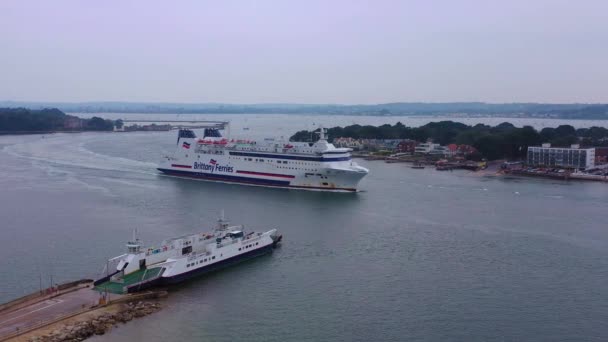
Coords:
182,258
274,163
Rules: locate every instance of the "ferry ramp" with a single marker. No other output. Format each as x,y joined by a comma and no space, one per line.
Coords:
133,278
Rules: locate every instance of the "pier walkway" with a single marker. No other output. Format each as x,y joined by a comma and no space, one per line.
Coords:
46,309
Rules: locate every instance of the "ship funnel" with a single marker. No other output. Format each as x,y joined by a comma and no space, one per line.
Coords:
185,133
212,133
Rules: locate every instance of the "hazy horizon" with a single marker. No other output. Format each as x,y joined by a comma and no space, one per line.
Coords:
3,101
313,52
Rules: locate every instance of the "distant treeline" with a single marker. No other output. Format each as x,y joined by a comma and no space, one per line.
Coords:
567,111
19,120
501,141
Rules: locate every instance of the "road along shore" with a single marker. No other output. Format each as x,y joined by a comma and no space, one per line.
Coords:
74,313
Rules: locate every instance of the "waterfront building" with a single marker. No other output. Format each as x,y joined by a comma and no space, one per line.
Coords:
431,148
460,150
601,155
406,146
389,144
573,157
452,149
348,142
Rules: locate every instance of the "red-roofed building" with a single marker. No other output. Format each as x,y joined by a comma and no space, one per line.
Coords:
406,146
601,155
466,149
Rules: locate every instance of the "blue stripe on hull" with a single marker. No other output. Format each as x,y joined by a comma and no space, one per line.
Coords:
216,266
226,178
246,180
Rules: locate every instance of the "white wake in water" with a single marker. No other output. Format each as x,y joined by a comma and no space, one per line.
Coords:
69,150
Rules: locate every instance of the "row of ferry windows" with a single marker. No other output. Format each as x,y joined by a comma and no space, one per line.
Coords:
249,246
282,162
296,168
278,161
210,152
200,262
260,160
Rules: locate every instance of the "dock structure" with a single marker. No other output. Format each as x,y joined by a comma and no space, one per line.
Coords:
34,312
176,124
38,309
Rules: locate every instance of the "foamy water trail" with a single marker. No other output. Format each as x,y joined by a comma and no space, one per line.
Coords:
69,150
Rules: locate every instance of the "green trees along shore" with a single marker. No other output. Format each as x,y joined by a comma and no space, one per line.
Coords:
22,120
501,141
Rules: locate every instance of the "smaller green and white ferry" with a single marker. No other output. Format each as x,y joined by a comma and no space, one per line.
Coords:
181,258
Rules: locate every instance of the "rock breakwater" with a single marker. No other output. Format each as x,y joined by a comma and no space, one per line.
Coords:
99,324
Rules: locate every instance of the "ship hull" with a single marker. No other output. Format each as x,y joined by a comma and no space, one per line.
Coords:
215,266
265,182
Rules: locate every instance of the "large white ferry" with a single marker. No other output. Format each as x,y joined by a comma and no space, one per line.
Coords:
181,258
275,163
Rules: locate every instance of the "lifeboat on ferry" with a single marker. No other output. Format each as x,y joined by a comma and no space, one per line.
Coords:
213,142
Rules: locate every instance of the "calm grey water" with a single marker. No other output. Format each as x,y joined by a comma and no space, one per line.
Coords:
418,255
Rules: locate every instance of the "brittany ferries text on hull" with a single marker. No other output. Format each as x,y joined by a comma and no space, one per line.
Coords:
182,258
274,163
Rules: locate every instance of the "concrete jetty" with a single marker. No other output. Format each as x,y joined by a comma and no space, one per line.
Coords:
36,311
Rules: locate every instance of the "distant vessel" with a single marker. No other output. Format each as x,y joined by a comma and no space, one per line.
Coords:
417,166
273,163
184,257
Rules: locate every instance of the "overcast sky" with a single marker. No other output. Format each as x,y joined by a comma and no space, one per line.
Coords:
304,51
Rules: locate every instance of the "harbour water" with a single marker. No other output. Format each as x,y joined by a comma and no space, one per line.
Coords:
417,255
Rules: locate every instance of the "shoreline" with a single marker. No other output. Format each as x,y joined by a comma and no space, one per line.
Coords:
48,132
7,133
87,324
72,311
493,170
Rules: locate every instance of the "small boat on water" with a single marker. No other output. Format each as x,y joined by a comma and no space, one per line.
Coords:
417,166
181,258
